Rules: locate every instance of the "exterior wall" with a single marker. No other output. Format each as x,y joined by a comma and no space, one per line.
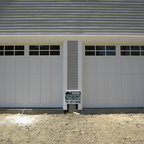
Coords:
90,17
87,22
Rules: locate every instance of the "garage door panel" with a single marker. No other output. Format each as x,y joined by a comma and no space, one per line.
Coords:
138,66
56,85
138,82
113,66
89,83
2,81
138,89
10,81
34,92
89,99
138,97
110,84
56,66
45,81
21,90
99,98
45,89
45,66
89,71
34,66
99,82
99,65
21,81
55,91
126,89
89,65
114,85
125,66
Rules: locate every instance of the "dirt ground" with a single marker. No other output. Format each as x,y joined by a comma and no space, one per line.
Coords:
72,129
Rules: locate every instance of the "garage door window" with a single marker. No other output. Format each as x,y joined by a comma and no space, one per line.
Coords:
132,50
34,50
11,50
1,50
89,50
54,50
19,50
142,50
100,50
135,50
110,50
44,50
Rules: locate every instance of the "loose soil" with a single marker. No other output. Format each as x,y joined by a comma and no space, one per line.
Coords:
72,129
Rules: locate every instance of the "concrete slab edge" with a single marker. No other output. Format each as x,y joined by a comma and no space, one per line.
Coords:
111,110
31,111
61,111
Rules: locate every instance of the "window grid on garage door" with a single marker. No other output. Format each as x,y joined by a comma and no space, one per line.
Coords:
12,50
135,50
100,50
44,50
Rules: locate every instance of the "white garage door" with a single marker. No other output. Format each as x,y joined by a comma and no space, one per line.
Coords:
31,76
113,76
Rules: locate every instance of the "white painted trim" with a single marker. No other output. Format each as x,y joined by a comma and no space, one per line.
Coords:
60,38
80,71
64,73
72,35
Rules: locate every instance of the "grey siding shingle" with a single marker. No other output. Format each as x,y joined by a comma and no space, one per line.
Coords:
50,17
72,65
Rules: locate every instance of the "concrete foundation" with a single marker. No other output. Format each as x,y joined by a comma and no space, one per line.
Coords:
72,109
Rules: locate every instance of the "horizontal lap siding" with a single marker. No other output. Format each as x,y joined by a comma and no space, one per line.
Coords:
72,65
71,17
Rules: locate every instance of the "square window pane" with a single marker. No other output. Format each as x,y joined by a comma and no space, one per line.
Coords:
9,53
135,53
33,52
19,53
34,47
125,47
110,48
89,47
1,47
10,47
110,53
19,47
55,53
90,53
142,53
142,47
55,47
125,53
135,47
44,52
100,47
44,47
1,53
100,53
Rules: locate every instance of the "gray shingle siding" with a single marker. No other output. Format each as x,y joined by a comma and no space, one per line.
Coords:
74,17
72,65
